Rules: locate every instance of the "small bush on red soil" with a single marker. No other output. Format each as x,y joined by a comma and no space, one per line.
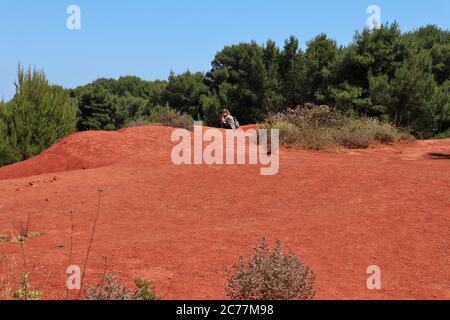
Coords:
15,285
322,127
270,275
165,116
109,288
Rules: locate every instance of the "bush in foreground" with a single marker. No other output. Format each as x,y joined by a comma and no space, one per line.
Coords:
270,275
109,288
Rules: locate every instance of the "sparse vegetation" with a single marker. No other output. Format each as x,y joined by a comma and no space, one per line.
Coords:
12,285
165,116
3,238
16,285
110,288
25,291
91,240
322,127
7,277
270,275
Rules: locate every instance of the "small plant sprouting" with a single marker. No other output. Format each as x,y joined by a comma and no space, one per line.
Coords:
25,291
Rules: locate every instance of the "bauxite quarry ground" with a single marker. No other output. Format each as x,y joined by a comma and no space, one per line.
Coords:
181,226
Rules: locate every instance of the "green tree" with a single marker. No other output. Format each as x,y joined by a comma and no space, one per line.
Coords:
240,79
184,91
37,116
320,59
273,100
132,86
437,43
157,93
414,89
130,108
441,105
211,109
97,108
373,53
291,72
409,98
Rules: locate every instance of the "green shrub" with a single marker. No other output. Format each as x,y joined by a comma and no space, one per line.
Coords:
289,132
165,116
387,133
443,135
309,128
322,127
270,275
361,133
15,285
26,292
97,109
145,290
316,138
356,134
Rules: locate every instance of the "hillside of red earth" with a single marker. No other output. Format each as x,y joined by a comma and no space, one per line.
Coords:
181,226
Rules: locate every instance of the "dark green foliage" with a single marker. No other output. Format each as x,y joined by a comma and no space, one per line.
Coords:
130,107
320,60
125,86
211,108
240,77
184,92
98,109
109,104
37,116
441,105
291,72
395,77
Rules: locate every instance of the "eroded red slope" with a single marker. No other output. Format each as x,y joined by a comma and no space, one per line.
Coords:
182,225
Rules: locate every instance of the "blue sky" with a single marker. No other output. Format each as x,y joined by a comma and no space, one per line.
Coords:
148,38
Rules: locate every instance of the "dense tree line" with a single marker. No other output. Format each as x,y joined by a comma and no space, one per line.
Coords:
403,78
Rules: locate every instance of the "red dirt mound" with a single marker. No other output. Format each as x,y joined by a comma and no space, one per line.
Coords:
88,150
182,225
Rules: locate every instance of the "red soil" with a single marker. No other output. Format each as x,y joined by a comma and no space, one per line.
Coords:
182,225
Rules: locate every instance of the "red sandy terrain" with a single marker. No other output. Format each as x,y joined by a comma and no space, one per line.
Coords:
182,225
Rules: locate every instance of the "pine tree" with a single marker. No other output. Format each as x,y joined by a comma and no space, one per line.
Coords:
37,116
98,108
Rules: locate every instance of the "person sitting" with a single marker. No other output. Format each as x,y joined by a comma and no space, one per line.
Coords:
228,121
